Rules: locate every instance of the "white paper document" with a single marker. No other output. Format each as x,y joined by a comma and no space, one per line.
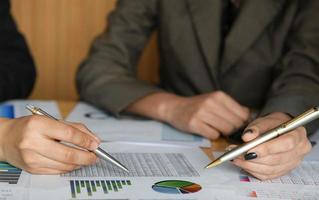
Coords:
156,172
10,192
301,183
131,129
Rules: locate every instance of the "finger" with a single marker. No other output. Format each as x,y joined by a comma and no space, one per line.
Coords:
266,169
207,131
39,161
66,154
284,143
84,129
298,152
232,105
230,147
66,133
220,124
260,126
226,115
277,159
249,134
285,170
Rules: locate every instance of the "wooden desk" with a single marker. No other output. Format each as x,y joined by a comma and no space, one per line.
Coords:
218,145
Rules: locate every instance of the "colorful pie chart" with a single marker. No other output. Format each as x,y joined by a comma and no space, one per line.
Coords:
176,187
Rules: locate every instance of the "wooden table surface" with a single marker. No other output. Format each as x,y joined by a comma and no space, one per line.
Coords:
217,145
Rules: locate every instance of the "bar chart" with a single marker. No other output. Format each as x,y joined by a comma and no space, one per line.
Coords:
87,188
9,174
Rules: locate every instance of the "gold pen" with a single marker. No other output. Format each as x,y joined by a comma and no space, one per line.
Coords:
99,152
284,128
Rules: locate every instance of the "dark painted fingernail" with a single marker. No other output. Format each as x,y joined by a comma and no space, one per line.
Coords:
248,131
313,143
250,156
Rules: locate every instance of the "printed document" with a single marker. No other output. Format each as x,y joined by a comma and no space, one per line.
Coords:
133,129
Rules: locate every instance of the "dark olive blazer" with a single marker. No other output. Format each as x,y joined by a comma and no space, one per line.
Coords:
17,71
270,60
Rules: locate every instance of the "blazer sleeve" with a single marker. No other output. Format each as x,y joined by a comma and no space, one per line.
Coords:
17,71
295,87
107,78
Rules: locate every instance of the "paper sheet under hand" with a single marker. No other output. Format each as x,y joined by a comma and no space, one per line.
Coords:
131,129
301,183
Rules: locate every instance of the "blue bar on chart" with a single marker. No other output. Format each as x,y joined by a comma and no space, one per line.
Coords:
9,174
89,187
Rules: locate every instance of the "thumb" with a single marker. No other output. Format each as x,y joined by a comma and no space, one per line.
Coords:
261,125
249,134
255,129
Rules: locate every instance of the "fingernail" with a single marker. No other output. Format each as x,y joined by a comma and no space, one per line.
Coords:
250,156
248,131
313,143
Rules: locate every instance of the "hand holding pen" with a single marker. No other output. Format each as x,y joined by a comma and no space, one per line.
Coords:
30,143
91,146
275,144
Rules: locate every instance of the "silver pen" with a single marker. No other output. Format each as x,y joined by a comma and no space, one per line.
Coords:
99,152
284,128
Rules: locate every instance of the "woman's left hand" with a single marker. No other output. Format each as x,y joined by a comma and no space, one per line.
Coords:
278,156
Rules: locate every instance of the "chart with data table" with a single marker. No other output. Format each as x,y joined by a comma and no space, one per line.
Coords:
90,188
140,165
9,174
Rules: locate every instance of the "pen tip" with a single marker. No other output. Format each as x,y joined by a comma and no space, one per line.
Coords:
124,168
213,164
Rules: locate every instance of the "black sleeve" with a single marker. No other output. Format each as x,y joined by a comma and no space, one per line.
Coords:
17,71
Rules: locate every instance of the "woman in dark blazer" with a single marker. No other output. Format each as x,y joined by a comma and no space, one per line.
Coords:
219,60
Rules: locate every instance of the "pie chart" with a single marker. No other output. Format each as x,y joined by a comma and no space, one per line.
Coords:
176,187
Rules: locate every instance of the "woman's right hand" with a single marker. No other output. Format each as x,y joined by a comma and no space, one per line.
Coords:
33,143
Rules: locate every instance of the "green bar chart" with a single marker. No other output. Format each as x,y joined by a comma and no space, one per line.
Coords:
9,174
89,187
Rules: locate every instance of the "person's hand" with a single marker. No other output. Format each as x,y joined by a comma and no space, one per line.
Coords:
278,156
32,143
208,115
